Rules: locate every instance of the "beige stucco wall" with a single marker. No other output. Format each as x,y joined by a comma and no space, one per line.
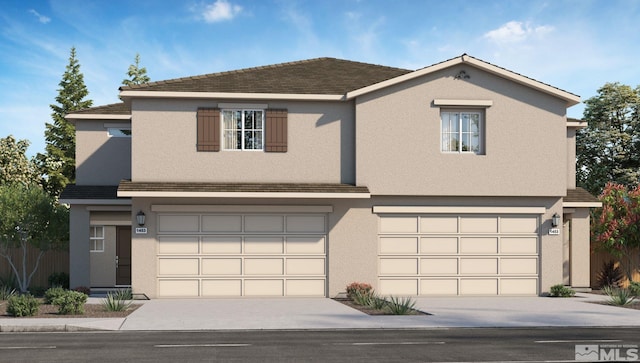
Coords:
79,272
571,157
398,139
103,268
320,145
580,248
100,159
352,236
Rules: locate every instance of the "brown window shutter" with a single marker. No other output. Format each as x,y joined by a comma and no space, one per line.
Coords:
208,129
276,131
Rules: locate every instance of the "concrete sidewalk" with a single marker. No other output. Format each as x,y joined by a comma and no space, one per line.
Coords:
319,313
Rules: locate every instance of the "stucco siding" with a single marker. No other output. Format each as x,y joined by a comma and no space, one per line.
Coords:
320,146
398,139
100,159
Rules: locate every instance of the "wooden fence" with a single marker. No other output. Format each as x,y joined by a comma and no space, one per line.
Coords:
598,259
51,261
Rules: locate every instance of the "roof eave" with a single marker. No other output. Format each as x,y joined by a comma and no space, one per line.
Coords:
129,94
290,195
97,116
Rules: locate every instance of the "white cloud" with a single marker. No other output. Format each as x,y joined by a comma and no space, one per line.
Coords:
41,18
220,10
517,31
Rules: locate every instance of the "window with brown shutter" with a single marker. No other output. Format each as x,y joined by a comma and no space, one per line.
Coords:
208,129
276,131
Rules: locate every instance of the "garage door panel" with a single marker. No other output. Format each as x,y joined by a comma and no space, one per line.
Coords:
305,266
439,245
439,287
178,223
305,224
305,245
519,245
479,286
221,245
439,266
481,266
515,224
398,266
222,223
263,266
306,288
518,286
264,288
177,245
220,288
524,266
178,266
478,245
178,288
263,223
266,245
221,266
469,224
399,286
394,224
398,245
433,224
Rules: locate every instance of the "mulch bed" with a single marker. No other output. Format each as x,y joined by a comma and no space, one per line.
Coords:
370,311
51,311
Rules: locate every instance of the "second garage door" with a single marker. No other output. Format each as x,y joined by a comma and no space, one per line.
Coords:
458,254
234,255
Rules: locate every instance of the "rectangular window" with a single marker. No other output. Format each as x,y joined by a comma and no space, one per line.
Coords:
461,132
119,131
96,239
243,129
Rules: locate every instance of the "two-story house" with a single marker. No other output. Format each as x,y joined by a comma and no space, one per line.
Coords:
296,179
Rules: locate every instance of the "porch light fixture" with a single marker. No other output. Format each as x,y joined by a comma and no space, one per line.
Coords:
555,220
140,218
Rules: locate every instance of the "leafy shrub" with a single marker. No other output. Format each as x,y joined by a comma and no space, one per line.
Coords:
618,296
22,305
609,275
53,293
123,294
376,302
6,292
59,279
400,306
560,290
361,287
71,302
362,297
115,302
634,288
83,289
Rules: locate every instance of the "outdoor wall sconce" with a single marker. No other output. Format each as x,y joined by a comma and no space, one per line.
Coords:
140,217
555,220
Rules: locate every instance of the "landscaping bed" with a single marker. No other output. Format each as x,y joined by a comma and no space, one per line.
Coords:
371,311
51,311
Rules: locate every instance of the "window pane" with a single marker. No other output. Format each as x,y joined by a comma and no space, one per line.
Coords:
465,122
227,119
248,119
475,143
238,119
475,123
258,140
259,116
465,142
455,121
454,143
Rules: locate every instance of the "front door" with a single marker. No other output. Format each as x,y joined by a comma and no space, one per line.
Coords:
123,255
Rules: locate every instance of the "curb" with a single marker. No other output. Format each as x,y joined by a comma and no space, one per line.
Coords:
45,328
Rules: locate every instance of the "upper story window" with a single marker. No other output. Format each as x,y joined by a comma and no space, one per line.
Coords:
96,239
243,129
119,131
461,132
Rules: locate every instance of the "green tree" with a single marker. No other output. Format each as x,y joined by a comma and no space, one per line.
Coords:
57,165
608,149
615,227
15,167
30,218
136,74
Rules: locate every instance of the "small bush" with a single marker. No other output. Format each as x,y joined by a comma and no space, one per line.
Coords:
53,293
123,294
362,297
59,279
400,306
6,292
609,275
618,296
114,302
361,287
71,302
376,302
83,289
634,288
560,290
22,305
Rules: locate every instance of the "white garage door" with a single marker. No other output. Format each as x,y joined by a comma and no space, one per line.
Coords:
233,255
458,254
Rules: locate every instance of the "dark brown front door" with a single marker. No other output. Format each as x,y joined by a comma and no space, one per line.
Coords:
123,256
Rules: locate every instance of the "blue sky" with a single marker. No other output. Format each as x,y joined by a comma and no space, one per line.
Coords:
574,45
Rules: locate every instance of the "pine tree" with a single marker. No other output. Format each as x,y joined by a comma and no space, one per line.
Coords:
57,165
136,74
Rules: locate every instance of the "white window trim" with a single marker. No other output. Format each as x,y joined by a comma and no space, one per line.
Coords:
92,239
223,129
481,131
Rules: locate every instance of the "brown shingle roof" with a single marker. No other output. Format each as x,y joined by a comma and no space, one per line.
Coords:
120,108
127,185
579,195
314,76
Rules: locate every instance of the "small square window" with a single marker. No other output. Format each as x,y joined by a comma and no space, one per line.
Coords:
119,131
96,239
243,129
461,132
